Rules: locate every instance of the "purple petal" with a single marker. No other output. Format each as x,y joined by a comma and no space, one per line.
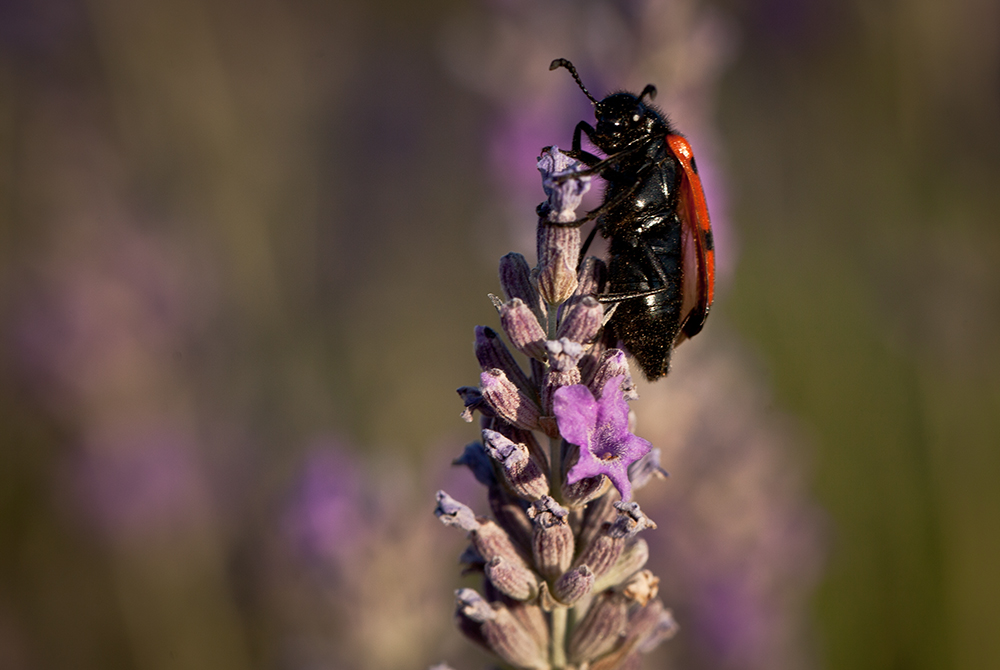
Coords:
576,414
588,466
612,410
617,472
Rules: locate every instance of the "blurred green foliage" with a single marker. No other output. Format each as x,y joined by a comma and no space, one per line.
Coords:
866,165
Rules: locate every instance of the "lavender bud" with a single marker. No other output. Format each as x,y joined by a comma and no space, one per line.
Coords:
563,354
555,380
620,659
645,469
538,370
514,581
528,614
558,250
591,359
642,587
630,520
525,437
552,543
647,627
583,321
515,280
494,626
613,364
634,555
478,461
652,625
520,471
601,629
602,553
532,619
573,585
564,195
523,329
606,548
508,401
596,513
492,541
453,513
585,490
549,425
492,353
592,277
472,397
559,246
472,561
474,606
510,516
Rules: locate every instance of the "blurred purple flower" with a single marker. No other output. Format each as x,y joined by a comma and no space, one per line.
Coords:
326,516
600,429
105,320
138,482
731,618
515,139
746,545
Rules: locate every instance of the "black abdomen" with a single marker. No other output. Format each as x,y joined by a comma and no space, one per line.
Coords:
649,261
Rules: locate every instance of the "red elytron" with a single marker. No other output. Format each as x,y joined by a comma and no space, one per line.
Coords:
698,243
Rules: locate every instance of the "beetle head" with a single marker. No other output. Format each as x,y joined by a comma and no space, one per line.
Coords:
623,118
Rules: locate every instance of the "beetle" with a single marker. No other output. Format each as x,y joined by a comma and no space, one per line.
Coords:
661,254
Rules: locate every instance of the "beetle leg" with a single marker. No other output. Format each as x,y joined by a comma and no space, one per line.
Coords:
600,165
578,152
620,297
586,246
594,213
615,298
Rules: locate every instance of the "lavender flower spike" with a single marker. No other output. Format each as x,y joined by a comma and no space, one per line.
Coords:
600,429
544,604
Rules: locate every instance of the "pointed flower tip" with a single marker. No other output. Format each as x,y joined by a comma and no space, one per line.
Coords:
564,193
599,427
453,513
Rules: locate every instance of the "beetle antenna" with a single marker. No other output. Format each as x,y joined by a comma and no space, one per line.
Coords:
650,90
562,62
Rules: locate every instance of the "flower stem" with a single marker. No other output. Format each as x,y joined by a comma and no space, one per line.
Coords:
556,475
558,656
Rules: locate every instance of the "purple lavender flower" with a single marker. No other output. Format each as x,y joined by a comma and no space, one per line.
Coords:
600,429
544,515
326,516
136,483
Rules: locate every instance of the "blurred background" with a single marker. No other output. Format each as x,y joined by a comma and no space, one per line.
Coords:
244,244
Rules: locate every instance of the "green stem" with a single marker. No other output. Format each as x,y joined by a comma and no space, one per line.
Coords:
551,325
558,615
555,474
558,655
